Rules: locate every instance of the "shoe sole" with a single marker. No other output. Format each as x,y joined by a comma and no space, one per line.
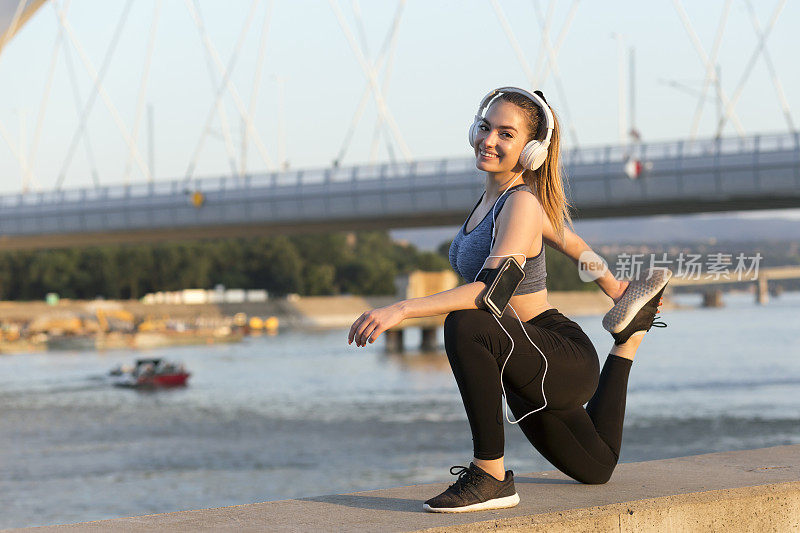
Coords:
636,296
496,503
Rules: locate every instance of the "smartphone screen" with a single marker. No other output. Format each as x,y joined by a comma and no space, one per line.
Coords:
507,281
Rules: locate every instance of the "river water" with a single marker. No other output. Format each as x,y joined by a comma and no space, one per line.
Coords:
304,414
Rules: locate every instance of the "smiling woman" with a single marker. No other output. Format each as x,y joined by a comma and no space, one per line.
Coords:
556,370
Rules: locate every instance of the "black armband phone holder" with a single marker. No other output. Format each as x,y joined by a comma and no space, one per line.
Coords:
501,283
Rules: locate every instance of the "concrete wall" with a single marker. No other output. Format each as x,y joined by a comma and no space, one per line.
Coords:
750,490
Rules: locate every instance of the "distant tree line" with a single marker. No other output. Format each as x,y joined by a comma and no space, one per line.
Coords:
363,263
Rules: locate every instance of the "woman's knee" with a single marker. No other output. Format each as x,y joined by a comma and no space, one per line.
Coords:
549,433
463,329
464,321
597,477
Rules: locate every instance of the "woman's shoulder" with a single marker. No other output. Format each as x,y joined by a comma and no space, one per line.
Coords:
527,200
520,187
522,207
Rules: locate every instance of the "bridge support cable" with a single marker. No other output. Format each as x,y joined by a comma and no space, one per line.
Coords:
348,136
707,63
142,89
224,125
550,55
251,109
97,79
512,39
387,76
543,69
17,152
392,41
553,61
14,24
77,98
280,81
776,82
762,41
219,89
28,176
541,56
227,83
362,33
377,66
712,73
371,75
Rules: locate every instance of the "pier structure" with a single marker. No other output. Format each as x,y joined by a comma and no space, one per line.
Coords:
418,284
712,294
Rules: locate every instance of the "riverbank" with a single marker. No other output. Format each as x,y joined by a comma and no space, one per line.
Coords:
750,490
110,324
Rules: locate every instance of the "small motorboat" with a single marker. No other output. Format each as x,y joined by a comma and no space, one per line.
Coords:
150,373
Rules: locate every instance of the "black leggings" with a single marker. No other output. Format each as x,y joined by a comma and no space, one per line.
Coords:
582,443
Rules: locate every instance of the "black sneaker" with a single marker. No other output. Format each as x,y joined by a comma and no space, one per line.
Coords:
474,490
637,308
643,321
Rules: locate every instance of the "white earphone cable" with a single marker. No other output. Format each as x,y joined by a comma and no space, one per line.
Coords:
544,374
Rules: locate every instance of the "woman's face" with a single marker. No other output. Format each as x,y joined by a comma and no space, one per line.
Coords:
502,135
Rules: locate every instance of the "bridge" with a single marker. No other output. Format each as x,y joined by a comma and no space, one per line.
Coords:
740,173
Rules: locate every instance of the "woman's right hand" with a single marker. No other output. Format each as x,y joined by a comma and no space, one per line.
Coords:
371,324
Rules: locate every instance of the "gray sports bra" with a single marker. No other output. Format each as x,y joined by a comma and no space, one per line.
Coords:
468,251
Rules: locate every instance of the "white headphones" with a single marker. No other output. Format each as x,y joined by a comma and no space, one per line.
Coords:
535,152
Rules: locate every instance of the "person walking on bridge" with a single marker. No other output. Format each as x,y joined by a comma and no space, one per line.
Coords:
503,337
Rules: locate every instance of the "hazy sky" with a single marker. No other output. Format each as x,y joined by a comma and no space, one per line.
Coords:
448,55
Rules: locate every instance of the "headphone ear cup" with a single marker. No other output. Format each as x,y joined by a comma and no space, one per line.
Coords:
539,158
473,133
533,155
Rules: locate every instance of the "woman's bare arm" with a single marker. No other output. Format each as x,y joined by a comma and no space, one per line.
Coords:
463,297
372,323
573,247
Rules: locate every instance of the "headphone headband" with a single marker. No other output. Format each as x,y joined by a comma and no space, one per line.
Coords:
535,98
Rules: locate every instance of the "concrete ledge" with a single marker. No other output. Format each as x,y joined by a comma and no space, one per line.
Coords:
751,490
761,508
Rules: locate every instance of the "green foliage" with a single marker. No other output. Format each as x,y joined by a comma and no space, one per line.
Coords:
320,279
364,263
444,249
432,262
562,273
367,275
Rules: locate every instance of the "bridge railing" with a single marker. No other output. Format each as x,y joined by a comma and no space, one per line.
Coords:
687,148
603,155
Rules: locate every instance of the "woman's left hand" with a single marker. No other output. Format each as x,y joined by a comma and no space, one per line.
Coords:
371,324
617,296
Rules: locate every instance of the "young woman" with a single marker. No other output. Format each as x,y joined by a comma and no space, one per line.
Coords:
541,361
